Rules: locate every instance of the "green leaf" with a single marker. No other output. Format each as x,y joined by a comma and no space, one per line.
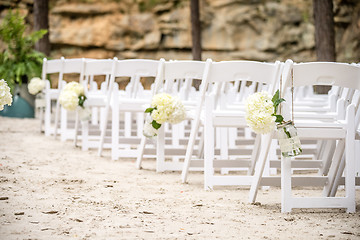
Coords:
279,118
149,110
155,124
277,100
277,103
276,96
82,99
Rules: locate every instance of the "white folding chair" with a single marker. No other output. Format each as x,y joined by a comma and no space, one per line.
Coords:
67,119
96,101
342,130
223,116
131,104
169,143
51,94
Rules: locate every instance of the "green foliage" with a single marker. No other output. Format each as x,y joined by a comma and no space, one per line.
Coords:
149,110
82,99
155,124
19,61
276,102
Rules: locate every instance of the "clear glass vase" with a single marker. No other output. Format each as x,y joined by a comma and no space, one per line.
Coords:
289,141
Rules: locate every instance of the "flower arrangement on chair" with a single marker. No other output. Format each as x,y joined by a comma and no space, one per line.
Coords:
72,97
262,118
36,87
164,108
5,94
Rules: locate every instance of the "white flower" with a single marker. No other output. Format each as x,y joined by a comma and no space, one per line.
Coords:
261,122
149,130
69,96
76,87
5,95
259,110
36,85
160,115
161,99
167,109
69,100
179,114
260,101
163,103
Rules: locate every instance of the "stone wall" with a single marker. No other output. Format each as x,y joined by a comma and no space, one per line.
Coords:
264,30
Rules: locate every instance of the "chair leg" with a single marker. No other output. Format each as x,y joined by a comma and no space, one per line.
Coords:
160,149
115,126
208,157
57,113
350,161
105,117
85,135
63,125
190,148
209,145
254,155
286,185
336,181
260,165
334,168
41,118
328,152
76,128
141,150
47,118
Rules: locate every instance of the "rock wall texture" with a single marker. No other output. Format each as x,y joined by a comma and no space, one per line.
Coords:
264,30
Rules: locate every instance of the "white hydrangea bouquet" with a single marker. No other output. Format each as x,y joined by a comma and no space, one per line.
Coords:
261,110
36,87
5,94
262,118
73,97
164,108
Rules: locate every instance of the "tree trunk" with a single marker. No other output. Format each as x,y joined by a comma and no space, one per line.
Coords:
195,29
195,34
324,34
41,21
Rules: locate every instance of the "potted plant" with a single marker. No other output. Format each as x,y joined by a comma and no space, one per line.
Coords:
19,62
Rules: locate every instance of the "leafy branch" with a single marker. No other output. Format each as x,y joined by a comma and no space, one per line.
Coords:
276,102
155,124
19,61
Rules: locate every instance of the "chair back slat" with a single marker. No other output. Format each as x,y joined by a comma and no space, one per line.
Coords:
138,67
98,67
327,73
75,65
242,70
184,70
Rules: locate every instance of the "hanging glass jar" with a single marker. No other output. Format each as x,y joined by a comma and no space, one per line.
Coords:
289,141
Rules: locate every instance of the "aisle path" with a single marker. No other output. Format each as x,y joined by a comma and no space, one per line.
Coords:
52,190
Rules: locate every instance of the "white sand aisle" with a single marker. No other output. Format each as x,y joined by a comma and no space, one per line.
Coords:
52,190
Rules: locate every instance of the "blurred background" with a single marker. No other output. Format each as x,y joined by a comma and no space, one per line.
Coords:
262,30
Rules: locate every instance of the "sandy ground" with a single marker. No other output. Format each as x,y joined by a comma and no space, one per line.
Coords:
53,190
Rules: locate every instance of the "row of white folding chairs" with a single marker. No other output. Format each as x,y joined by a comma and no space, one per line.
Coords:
329,129
102,100
98,99
86,70
222,121
205,73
